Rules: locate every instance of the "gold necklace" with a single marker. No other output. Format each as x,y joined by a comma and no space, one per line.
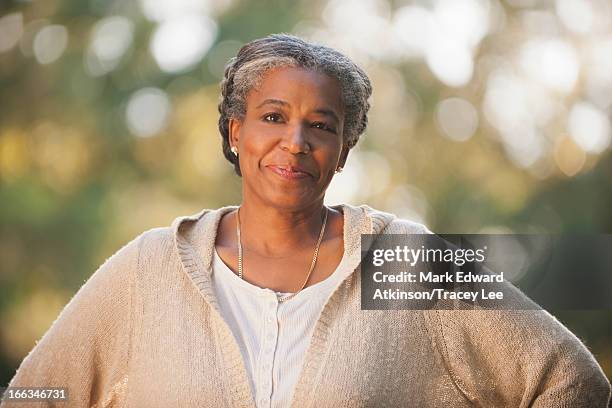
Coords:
312,264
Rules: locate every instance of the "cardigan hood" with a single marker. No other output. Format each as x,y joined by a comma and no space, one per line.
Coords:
195,236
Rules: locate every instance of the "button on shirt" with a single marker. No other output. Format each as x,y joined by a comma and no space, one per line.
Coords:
273,336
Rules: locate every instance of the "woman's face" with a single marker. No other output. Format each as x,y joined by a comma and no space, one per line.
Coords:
290,139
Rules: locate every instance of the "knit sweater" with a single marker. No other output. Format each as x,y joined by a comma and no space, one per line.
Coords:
145,331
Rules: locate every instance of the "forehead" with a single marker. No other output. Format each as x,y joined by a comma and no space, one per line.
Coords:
298,87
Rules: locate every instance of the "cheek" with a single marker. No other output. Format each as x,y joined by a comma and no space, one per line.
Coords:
327,162
256,140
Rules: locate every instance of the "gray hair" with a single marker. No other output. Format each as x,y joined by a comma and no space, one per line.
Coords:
245,71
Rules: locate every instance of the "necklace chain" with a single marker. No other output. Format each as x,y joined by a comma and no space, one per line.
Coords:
312,264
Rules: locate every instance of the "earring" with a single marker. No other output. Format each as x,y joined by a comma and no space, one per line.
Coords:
234,150
339,169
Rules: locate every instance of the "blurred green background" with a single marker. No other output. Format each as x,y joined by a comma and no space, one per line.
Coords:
487,116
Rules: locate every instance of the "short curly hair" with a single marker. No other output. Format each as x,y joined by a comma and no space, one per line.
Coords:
245,71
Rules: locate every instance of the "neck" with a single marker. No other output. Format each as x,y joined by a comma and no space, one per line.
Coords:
277,232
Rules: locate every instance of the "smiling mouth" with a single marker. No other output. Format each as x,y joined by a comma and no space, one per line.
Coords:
288,172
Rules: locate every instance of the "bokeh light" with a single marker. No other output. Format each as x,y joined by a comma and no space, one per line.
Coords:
577,15
589,127
181,43
11,27
147,112
50,43
111,38
551,62
457,118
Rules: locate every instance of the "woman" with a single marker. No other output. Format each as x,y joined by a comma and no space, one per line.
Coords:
259,305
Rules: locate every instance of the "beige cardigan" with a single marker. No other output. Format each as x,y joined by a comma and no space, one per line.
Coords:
145,331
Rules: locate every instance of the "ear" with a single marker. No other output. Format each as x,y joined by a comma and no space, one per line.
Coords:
234,131
343,155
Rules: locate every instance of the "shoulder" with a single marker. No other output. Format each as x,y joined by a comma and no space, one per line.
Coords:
404,226
389,223
154,239
157,240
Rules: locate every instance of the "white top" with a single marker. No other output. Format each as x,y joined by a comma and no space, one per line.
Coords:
273,336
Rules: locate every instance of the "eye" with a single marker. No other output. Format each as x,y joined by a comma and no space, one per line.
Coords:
272,117
323,126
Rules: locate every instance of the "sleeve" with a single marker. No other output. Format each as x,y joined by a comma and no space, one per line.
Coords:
86,349
518,358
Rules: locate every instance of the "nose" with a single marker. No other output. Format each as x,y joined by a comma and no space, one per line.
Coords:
295,140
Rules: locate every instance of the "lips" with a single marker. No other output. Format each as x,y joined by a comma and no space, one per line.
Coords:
288,171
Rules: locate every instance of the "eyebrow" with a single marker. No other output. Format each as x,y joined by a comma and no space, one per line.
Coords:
273,102
321,111
328,112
